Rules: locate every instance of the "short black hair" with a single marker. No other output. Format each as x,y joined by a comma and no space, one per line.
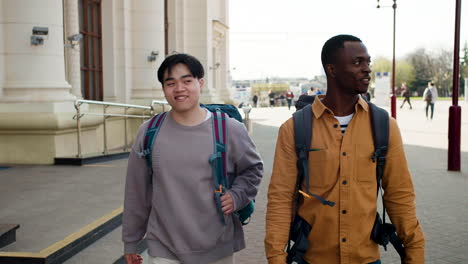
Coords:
332,45
193,64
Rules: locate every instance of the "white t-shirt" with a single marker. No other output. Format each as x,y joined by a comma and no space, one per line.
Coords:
344,121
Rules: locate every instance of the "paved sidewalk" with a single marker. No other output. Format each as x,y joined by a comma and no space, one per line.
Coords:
51,202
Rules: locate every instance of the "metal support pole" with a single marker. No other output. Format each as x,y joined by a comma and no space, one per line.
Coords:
393,98
454,133
105,130
78,129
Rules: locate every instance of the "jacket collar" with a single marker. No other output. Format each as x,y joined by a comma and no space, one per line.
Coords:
318,108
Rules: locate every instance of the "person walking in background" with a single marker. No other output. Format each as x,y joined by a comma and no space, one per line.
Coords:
430,95
311,91
171,199
341,170
289,98
271,98
405,92
255,100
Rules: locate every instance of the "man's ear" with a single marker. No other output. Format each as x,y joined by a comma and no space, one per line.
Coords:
202,83
330,70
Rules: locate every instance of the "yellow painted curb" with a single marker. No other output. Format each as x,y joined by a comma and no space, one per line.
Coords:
66,241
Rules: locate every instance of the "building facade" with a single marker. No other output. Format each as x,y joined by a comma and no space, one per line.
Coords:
53,52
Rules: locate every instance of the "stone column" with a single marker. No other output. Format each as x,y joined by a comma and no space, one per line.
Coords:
220,31
35,73
147,48
72,50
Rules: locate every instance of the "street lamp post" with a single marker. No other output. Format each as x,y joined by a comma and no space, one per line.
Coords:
393,97
455,110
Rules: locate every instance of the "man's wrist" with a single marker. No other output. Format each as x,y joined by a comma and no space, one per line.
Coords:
130,248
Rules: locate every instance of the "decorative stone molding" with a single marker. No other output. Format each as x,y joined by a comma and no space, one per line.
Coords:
219,32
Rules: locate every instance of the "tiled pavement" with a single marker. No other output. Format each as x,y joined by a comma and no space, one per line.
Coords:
63,199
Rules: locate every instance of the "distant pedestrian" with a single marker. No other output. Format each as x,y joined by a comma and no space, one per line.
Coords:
311,91
289,98
318,92
255,100
430,95
171,200
405,92
271,98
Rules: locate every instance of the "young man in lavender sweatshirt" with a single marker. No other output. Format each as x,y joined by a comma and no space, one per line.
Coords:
176,209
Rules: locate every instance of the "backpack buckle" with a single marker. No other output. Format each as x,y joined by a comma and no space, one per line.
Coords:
221,190
303,153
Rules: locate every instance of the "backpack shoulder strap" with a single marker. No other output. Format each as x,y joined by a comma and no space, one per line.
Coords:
303,139
218,159
380,133
303,127
150,136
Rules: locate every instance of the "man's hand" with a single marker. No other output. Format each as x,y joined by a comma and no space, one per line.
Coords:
227,203
133,258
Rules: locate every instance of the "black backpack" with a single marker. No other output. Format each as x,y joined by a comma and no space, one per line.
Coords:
382,233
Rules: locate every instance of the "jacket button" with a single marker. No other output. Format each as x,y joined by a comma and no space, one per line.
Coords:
344,182
343,212
343,239
344,153
335,125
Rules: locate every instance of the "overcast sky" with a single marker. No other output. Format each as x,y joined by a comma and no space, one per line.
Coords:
284,38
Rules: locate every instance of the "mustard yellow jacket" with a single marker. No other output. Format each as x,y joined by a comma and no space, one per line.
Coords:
341,170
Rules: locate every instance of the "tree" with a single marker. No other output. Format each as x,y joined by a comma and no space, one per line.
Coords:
420,61
404,70
464,68
442,70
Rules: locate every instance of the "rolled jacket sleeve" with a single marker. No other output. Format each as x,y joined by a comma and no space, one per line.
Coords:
399,198
281,195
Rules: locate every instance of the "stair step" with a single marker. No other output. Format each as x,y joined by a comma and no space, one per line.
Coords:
7,234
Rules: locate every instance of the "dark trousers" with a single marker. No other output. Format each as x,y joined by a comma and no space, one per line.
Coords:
407,99
289,103
432,109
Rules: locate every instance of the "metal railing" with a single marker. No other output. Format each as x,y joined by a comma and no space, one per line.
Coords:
107,115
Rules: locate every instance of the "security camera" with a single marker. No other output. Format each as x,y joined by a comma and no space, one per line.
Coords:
75,38
153,56
42,31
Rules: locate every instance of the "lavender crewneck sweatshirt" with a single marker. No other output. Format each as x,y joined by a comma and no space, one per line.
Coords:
178,212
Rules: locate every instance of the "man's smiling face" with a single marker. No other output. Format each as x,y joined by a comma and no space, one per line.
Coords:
353,68
181,89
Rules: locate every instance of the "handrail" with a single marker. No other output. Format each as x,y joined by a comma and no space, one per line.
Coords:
105,115
160,102
81,101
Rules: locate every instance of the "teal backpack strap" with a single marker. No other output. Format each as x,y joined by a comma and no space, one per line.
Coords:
150,137
218,159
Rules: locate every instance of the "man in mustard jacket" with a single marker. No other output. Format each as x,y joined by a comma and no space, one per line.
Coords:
341,170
